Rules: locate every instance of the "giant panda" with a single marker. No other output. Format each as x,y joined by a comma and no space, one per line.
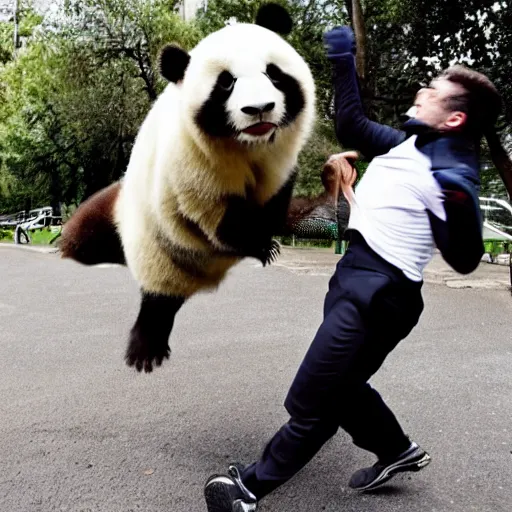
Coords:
210,175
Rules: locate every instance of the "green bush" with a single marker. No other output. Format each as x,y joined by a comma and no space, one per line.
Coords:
306,242
6,235
42,236
496,247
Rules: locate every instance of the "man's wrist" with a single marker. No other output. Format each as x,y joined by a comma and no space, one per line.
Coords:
342,57
338,55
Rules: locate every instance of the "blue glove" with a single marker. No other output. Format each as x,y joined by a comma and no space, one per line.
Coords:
338,41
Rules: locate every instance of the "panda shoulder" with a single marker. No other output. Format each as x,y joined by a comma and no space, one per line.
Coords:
171,93
167,103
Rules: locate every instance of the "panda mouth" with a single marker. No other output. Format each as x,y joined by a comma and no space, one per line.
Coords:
259,128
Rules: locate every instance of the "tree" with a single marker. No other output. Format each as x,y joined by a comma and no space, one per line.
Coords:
76,96
73,97
407,43
129,30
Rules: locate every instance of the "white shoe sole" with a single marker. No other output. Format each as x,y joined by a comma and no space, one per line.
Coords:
393,469
219,499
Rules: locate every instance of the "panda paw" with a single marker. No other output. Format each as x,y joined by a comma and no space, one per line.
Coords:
144,351
270,253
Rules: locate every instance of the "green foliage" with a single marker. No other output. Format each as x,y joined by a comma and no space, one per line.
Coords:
6,235
6,42
44,236
422,38
73,97
491,183
309,243
28,20
321,145
72,100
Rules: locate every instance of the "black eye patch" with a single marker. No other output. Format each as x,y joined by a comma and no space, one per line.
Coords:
274,73
226,81
213,117
290,87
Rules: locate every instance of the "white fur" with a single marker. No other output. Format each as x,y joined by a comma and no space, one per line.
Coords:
255,89
175,169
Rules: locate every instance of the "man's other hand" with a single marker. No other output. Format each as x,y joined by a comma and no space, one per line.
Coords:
340,174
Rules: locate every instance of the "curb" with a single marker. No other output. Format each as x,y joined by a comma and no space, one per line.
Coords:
477,283
501,259
450,279
42,250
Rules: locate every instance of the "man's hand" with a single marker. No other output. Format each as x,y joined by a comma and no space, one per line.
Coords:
343,166
338,41
340,168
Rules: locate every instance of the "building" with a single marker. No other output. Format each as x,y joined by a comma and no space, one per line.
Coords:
189,8
7,7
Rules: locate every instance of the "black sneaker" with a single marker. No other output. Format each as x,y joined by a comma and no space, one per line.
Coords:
227,493
412,459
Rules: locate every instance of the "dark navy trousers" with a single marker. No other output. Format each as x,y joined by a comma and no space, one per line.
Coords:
369,308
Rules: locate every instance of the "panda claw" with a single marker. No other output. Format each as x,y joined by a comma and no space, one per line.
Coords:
146,363
275,251
144,352
271,253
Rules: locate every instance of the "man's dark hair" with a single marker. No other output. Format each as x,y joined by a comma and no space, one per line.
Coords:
482,104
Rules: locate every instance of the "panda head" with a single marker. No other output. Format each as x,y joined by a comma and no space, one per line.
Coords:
244,83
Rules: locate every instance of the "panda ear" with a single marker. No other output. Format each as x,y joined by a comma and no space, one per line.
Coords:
173,62
274,17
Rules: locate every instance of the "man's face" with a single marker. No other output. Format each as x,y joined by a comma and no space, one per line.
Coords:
432,106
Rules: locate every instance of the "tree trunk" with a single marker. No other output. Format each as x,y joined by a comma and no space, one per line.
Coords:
55,190
360,36
500,159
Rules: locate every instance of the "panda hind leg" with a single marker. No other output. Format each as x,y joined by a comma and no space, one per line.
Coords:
149,337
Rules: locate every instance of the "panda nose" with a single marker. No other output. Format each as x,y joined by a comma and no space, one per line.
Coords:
253,110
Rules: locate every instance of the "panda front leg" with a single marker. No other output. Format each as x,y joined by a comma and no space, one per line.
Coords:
149,336
248,227
244,230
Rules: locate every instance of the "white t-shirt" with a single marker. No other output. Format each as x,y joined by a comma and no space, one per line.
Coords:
390,205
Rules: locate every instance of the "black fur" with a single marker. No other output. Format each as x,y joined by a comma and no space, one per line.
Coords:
213,117
293,95
149,337
276,209
274,17
192,262
248,227
173,62
193,227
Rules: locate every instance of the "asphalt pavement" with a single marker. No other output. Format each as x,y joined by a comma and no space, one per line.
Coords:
82,432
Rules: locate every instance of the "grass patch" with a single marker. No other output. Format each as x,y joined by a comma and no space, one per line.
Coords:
496,247
6,235
307,242
39,237
43,236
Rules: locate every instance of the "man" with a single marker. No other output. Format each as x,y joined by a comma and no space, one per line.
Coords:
420,190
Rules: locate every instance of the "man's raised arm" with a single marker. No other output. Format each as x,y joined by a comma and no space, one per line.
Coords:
353,128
